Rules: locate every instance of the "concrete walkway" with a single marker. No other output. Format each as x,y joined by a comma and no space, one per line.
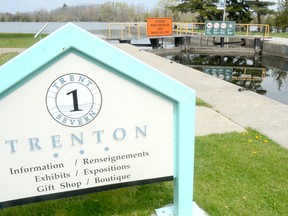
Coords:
277,40
208,121
235,110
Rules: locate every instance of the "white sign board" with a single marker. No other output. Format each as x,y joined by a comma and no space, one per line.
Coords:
58,141
75,120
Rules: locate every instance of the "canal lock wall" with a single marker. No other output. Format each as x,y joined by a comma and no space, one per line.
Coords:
264,46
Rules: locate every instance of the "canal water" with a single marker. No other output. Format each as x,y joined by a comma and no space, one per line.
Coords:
34,27
265,75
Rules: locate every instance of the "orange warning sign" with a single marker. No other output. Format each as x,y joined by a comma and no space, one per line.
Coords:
159,27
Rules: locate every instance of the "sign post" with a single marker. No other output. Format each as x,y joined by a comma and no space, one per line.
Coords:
89,121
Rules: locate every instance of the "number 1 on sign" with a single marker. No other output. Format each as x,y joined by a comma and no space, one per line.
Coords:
75,100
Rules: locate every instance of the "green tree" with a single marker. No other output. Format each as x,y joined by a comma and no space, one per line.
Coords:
207,10
164,6
261,8
65,6
281,16
280,77
270,20
238,11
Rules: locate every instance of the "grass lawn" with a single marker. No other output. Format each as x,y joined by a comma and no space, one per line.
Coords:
7,56
283,35
241,174
10,40
235,174
138,201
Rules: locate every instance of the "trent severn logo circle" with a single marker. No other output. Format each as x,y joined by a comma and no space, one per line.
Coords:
74,100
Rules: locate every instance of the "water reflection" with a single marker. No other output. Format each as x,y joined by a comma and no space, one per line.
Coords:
249,73
280,77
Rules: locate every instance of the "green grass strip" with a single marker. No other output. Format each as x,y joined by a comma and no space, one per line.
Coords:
138,201
282,35
200,102
241,174
11,40
5,57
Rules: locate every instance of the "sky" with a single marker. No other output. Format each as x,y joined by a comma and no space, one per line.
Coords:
12,6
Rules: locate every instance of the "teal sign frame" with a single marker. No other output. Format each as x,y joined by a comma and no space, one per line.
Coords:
72,39
220,28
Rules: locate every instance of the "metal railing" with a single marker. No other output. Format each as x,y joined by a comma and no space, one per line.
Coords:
251,29
240,29
131,30
246,76
127,30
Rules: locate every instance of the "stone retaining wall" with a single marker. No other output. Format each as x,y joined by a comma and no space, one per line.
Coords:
279,50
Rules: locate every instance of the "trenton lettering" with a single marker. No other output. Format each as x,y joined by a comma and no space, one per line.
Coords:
22,170
97,137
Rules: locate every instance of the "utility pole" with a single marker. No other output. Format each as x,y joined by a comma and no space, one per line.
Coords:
224,10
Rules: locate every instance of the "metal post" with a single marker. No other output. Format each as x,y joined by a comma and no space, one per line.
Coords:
222,42
40,31
224,11
192,29
183,162
247,30
139,30
109,31
122,34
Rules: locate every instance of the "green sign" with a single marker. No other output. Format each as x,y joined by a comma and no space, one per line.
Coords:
221,73
220,28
